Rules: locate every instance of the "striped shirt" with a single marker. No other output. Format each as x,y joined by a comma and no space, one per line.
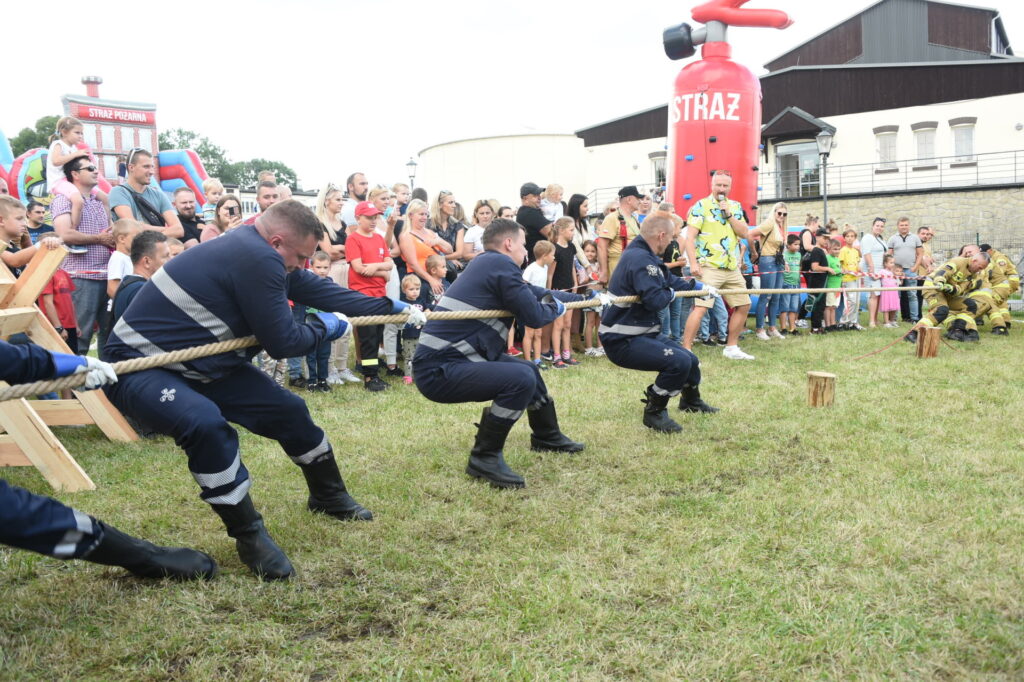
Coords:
93,263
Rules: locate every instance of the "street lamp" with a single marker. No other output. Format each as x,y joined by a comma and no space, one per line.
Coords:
411,167
824,140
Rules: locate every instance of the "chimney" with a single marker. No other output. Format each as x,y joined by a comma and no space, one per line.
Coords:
92,85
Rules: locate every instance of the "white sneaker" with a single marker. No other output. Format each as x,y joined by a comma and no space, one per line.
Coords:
348,375
333,378
589,352
802,324
776,334
599,352
762,335
734,353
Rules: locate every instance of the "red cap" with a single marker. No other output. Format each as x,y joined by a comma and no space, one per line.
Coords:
366,208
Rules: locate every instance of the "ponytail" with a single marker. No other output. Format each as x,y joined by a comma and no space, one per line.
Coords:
64,124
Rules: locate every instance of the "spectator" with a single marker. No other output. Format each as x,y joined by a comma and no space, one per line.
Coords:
472,242
284,192
370,267
506,213
769,243
120,264
214,190
55,302
328,210
417,242
643,208
536,274
319,358
592,317
355,187
64,149
551,202
809,235
889,302
532,219
436,268
562,277
849,262
577,210
716,225
927,264
789,305
228,216
267,194
138,199
834,281
907,250
174,247
817,268
19,250
421,194
411,286
37,225
672,315
617,230
191,224
88,270
872,249
149,252
448,227
387,221
403,195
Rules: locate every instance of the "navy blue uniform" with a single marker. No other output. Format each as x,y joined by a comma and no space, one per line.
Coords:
459,361
631,332
33,522
223,289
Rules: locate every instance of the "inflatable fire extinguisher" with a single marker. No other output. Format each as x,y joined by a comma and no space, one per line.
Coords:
714,116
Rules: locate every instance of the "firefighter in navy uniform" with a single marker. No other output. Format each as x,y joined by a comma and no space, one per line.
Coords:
44,525
236,286
631,332
461,361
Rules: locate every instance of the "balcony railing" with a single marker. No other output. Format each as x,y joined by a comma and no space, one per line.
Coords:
996,168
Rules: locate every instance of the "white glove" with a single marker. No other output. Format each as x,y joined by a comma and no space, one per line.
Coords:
98,373
708,290
605,298
416,317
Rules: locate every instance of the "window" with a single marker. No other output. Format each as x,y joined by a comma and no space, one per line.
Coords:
963,143
107,133
658,166
925,141
127,138
796,170
886,144
89,134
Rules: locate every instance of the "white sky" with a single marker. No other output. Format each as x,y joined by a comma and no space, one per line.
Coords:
332,87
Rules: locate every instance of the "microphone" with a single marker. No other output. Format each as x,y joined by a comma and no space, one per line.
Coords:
721,197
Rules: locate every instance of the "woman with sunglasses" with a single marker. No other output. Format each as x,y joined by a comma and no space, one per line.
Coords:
227,216
444,222
770,238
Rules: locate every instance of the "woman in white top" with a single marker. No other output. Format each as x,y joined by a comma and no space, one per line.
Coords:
483,214
872,250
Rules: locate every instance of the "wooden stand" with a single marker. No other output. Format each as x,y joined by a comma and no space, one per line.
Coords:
928,341
25,436
821,389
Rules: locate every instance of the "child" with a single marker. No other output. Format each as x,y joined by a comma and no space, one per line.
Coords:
890,301
437,267
562,277
63,149
536,273
55,302
175,247
13,228
120,264
789,305
833,281
551,202
592,316
849,261
317,361
214,190
410,334
370,266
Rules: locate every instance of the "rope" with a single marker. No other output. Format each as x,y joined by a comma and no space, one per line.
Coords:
196,352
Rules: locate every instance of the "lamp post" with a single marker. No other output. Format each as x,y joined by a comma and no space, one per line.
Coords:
824,140
411,167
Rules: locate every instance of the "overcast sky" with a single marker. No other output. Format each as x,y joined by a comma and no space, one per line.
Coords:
329,87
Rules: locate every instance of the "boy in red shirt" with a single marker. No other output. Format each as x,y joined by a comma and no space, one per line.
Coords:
370,264
55,302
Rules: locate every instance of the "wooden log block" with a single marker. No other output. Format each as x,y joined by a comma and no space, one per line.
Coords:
821,389
928,341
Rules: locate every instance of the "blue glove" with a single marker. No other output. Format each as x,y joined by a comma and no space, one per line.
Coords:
98,373
333,325
67,364
398,306
559,306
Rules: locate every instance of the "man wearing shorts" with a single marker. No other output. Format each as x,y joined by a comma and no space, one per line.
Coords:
716,225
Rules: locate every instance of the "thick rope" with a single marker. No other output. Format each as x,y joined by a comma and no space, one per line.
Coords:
196,352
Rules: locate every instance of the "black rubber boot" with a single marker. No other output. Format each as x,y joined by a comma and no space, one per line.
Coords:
655,415
1000,331
256,548
911,336
327,492
147,560
971,336
690,401
547,436
487,460
957,331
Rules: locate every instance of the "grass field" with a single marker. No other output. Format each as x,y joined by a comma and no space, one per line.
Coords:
878,538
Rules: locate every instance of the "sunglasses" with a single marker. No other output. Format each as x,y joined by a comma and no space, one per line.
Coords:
133,152
781,214
90,168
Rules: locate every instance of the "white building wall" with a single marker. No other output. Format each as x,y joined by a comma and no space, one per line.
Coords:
622,163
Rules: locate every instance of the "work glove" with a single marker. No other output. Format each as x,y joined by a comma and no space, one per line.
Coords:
333,325
97,372
708,290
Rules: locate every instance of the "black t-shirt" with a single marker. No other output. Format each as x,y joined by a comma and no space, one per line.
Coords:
37,233
533,220
14,246
671,255
815,280
126,291
193,228
565,271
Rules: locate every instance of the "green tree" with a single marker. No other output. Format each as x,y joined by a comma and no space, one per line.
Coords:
31,139
247,172
213,157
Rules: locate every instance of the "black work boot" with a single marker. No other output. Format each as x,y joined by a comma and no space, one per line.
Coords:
147,560
1000,331
957,331
911,336
655,415
547,436
487,460
327,492
256,548
690,401
971,336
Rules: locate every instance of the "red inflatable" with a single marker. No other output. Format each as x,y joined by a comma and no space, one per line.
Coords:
715,110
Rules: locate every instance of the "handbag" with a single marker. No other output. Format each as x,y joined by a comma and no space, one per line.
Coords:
148,212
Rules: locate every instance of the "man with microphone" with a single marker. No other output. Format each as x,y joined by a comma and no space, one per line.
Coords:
715,226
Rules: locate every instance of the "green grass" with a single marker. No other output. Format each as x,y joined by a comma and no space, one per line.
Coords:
878,538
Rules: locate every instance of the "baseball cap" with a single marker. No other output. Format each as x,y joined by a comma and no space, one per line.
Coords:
630,191
366,208
530,188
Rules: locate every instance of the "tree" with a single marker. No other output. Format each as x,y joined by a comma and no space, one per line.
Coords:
247,172
31,139
213,157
